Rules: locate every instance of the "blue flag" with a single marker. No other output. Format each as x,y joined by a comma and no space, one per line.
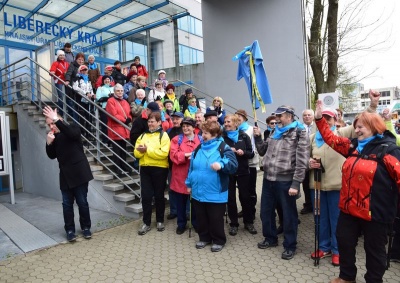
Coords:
252,54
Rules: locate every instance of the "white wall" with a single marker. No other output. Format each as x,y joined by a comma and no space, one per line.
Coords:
230,25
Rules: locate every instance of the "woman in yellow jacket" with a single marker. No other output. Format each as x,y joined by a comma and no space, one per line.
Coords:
152,149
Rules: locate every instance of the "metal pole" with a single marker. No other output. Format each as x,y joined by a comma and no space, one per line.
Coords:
8,154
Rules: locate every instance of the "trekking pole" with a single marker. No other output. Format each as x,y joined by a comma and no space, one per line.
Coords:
190,214
389,246
317,210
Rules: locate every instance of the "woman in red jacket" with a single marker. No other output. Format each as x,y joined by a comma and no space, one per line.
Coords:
58,70
181,149
368,198
120,109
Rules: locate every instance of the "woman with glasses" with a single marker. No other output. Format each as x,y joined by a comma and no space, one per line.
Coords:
218,106
271,122
192,108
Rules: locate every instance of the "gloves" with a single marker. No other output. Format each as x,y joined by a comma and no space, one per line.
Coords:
218,109
158,98
127,121
143,101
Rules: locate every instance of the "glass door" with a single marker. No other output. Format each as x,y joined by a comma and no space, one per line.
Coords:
45,57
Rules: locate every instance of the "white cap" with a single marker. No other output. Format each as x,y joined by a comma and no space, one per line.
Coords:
60,52
161,72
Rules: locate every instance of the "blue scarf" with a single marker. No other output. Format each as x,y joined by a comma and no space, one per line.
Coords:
243,127
318,138
85,77
364,142
269,128
162,116
138,101
192,109
92,66
233,135
207,146
279,131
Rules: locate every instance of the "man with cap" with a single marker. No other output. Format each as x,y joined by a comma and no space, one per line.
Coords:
286,153
177,118
139,126
308,121
58,69
184,99
211,115
69,56
253,162
117,74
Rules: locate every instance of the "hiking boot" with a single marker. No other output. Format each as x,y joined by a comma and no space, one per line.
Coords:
287,254
201,244
144,229
320,254
171,216
71,237
265,244
160,226
216,248
335,260
86,233
233,230
180,231
250,228
306,210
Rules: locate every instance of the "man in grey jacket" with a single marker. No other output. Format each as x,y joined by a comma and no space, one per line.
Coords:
286,153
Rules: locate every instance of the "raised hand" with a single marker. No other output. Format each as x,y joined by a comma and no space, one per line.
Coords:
318,109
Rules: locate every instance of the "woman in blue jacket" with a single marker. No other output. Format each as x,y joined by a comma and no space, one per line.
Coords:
215,160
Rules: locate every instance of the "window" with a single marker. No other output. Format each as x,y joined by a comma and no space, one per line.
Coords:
385,93
188,56
136,49
364,95
191,25
363,104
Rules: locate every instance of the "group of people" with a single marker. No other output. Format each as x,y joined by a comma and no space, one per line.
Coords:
176,144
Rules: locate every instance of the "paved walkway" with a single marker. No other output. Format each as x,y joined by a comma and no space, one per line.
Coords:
120,255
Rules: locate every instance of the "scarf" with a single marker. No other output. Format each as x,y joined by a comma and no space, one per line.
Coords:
364,142
318,138
210,146
92,66
171,96
85,77
233,135
138,101
279,131
162,116
243,127
269,128
192,109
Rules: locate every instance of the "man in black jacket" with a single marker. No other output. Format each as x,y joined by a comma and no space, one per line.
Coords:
64,143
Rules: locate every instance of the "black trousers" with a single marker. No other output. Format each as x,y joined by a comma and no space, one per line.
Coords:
152,183
307,192
395,252
252,185
375,238
210,221
119,156
248,207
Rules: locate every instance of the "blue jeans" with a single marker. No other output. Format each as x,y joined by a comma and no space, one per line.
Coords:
80,195
60,95
329,214
274,192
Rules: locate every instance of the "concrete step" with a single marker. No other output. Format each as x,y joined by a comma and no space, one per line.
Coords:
29,107
135,208
39,118
95,168
103,177
24,102
113,187
124,197
90,159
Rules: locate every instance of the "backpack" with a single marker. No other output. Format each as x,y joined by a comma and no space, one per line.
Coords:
180,139
383,149
161,134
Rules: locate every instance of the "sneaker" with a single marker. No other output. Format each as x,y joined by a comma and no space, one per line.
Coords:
320,254
335,260
71,237
180,231
160,226
265,244
240,214
233,230
171,216
287,254
250,228
216,248
279,230
201,244
86,233
144,229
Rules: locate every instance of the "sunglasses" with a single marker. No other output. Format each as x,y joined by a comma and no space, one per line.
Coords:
273,123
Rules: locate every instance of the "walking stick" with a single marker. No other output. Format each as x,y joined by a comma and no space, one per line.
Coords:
391,233
317,209
190,214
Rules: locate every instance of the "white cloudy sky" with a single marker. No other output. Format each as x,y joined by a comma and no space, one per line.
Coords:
386,59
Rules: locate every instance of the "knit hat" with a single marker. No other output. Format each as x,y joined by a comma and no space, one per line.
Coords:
242,113
82,67
188,90
189,121
60,52
109,68
161,72
168,101
170,86
153,106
